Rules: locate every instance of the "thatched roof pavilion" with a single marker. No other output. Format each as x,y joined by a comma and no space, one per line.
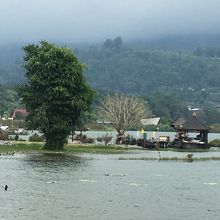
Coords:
191,125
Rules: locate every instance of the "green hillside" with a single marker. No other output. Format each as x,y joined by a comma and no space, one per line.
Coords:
192,75
142,72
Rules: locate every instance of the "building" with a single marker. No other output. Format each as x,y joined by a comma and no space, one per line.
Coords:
20,113
190,133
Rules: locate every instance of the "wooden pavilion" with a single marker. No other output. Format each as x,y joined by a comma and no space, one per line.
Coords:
184,128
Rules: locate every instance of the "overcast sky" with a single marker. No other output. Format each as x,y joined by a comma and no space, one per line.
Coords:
97,20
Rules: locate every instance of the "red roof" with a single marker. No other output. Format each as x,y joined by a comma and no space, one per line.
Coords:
22,111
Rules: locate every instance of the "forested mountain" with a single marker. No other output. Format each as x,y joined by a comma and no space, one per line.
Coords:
11,74
169,79
187,41
141,72
193,77
113,66
9,100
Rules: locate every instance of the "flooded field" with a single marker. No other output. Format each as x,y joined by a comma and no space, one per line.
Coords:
101,187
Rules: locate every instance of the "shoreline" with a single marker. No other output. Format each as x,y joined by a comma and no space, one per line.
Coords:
110,152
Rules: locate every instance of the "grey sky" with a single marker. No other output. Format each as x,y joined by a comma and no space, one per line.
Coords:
96,20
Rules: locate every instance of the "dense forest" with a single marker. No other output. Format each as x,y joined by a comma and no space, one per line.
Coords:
173,78
114,66
9,100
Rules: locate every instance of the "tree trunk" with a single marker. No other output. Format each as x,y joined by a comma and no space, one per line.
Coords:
55,143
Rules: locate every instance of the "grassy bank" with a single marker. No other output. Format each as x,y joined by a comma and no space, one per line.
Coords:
35,147
215,143
170,158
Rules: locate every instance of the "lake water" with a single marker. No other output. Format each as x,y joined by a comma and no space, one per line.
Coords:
136,134
102,187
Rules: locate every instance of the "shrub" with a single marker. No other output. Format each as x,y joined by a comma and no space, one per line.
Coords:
36,138
99,139
4,135
16,137
214,143
107,139
87,140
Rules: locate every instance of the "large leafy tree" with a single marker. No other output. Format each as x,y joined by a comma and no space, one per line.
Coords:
56,93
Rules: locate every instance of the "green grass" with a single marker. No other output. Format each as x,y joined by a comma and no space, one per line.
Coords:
169,158
215,143
198,150
34,147
21,147
96,149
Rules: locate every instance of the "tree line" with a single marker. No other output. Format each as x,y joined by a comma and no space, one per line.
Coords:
116,66
59,98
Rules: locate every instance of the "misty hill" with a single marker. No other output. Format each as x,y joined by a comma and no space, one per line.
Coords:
142,72
194,76
187,41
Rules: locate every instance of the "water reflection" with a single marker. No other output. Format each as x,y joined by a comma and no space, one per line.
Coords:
55,161
59,186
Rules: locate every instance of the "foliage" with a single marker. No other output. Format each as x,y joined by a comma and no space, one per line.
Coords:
210,115
36,138
56,93
113,44
146,71
86,140
140,70
4,135
213,52
123,111
16,137
193,76
11,74
214,143
215,128
168,106
13,124
9,100
105,138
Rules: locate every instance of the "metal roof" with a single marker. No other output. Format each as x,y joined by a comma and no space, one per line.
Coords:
150,121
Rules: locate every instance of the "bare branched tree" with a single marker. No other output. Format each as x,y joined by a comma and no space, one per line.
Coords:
123,111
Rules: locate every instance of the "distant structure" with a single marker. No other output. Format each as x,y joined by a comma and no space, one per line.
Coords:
150,121
193,109
4,128
186,127
20,113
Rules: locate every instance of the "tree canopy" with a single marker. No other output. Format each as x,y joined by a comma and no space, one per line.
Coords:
56,93
136,69
123,111
9,100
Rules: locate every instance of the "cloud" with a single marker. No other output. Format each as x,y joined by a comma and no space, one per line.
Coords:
95,20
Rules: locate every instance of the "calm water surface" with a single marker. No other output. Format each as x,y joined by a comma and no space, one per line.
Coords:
101,187
136,134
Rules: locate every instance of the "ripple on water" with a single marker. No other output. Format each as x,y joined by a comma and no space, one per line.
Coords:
66,187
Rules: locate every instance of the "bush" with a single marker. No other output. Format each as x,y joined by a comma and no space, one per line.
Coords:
105,138
87,140
84,139
36,138
16,137
4,135
214,143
